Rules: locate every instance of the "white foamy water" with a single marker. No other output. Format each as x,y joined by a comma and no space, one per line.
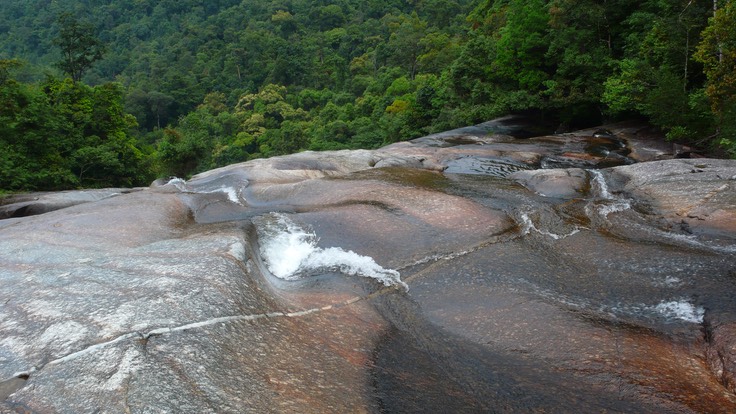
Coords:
681,309
611,203
528,226
615,207
671,310
230,192
669,281
291,252
694,241
599,183
179,183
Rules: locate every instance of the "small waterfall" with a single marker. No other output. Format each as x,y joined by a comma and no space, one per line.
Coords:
599,185
290,253
233,194
179,183
607,203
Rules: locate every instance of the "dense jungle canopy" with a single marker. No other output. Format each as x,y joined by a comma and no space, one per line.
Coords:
100,93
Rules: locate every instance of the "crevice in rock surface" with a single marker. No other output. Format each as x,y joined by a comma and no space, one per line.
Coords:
9,386
32,204
720,349
146,336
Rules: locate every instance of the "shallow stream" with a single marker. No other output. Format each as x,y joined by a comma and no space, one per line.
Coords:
477,270
501,299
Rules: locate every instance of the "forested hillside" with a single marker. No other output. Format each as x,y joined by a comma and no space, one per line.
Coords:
187,85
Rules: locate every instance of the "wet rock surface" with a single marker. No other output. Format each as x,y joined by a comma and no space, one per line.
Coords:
537,274
699,195
559,183
31,204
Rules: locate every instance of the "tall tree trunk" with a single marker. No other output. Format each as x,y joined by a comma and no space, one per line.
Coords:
687,58
720,48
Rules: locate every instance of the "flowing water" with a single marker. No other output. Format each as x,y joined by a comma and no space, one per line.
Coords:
291,252
496,299
476,270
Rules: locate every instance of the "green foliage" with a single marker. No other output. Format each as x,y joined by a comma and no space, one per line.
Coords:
63,134
657,77
717,52
213,83
79,46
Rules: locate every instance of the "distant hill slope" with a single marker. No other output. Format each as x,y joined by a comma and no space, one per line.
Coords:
215,82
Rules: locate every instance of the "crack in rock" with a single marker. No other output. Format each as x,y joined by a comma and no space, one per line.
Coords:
194,325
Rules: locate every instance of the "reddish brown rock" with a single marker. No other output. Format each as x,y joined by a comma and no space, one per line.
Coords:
696,194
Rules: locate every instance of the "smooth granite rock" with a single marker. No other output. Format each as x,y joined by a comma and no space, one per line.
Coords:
444,274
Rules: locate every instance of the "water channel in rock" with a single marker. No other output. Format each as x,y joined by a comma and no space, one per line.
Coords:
552,303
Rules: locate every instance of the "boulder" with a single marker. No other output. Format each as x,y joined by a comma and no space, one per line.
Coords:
558,183
29,204
696,195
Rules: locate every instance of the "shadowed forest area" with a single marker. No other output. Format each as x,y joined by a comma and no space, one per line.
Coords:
99,93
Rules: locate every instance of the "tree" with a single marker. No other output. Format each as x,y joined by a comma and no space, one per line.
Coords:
30,144
62,134
91,133
583,42
405,43
79,46
717,52
573,61
159,104
6,67
657,77
520,56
